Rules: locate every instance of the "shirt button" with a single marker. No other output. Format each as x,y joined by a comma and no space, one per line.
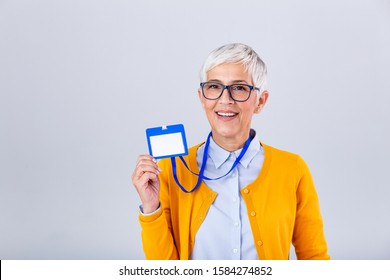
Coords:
233,174
235,251
236,224
259,242
234,199
246,191
253,213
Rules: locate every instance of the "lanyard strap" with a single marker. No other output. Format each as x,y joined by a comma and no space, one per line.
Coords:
203,166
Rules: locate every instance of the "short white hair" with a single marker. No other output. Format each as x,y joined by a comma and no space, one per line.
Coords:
237,53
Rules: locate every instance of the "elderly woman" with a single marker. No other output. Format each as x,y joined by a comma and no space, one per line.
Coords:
253,200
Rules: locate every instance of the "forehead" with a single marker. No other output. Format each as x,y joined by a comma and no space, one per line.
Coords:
228,73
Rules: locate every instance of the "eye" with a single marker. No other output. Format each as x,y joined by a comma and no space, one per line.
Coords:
213,86
243,88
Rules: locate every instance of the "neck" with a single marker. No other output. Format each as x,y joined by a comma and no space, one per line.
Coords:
231,144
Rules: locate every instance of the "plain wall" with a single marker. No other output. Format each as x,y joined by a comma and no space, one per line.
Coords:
80,81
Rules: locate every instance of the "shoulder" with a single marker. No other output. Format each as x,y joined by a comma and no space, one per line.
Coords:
278,153
284,159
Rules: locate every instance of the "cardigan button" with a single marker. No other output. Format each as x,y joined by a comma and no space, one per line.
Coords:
260,243
246,191
253,213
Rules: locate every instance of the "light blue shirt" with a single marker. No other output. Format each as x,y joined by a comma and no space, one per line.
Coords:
225,233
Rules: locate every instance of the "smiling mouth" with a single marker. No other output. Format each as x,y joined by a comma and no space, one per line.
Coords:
226,114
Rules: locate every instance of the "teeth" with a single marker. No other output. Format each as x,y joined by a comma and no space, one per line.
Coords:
226,114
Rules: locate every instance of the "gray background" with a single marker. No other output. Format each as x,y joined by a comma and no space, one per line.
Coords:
81,80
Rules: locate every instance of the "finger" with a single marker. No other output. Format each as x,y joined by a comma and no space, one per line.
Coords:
145,158
142,163
145,180
138,174
145,168
147,165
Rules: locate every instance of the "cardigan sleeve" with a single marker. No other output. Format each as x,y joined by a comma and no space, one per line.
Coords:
308,237
157,234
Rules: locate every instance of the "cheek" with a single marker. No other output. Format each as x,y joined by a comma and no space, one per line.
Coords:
207,104
248,108
248,111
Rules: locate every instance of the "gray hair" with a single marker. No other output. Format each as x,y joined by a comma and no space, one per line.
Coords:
237,53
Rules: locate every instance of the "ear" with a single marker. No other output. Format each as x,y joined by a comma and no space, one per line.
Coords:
200,95
261,100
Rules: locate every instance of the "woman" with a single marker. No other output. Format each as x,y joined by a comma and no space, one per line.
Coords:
254,200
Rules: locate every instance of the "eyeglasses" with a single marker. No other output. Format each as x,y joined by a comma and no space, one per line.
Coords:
237,92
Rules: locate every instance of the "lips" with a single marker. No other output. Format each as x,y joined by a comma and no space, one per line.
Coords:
226,114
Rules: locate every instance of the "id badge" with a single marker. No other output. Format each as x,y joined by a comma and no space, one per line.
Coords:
167,141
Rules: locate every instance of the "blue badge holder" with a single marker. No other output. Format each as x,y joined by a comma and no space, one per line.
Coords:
167,141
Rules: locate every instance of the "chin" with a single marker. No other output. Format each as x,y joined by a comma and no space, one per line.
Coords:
227,132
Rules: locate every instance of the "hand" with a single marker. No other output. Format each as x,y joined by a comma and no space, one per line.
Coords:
146,182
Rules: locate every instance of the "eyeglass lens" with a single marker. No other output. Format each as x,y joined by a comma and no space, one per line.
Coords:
239,92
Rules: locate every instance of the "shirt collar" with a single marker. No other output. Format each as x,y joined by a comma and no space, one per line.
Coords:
219,156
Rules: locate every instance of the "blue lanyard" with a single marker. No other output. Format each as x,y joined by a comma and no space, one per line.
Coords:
203,167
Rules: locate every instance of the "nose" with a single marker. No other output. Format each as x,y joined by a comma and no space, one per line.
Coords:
225,97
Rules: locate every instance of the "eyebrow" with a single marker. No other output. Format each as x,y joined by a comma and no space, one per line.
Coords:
233,82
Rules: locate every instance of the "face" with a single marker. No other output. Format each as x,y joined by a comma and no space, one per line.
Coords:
230,120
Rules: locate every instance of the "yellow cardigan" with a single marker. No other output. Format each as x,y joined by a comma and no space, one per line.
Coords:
282,205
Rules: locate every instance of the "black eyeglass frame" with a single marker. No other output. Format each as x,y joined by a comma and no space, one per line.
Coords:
251,88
